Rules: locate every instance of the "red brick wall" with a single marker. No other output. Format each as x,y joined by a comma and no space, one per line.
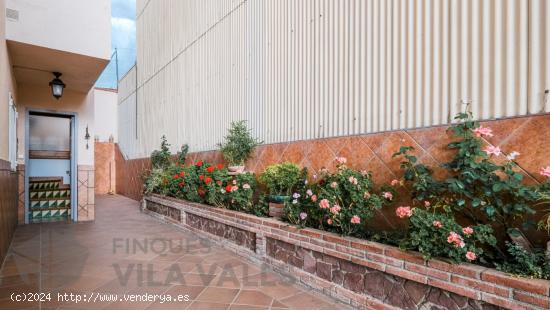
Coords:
373,152
105,168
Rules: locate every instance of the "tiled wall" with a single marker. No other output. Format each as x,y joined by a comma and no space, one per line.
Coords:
21,194
86,199
105,170
8,206
528,135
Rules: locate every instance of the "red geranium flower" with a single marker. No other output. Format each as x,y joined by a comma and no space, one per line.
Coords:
228,188
220,166
176,176
201,192
208,180
219,183
181,184
182,174
199,163
201,177
210,169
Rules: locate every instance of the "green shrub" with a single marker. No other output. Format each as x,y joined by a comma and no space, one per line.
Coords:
525,263
160,159
155,181
280,179
239,144
182,154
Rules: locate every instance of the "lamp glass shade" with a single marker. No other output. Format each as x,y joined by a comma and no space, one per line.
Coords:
57,90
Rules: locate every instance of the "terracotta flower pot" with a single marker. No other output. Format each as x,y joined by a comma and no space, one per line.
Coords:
276,209
237,169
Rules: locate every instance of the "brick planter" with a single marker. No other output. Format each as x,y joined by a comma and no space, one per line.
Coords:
361,273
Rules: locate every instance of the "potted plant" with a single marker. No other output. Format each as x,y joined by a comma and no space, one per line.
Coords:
238,145
280,180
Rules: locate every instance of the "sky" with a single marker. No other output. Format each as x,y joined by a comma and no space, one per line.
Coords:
123,36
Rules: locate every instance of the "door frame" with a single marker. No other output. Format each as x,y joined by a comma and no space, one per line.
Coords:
73,116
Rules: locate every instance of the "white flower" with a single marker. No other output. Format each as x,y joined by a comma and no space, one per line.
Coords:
296,196
309,192
295,201
246,186
512,155
306,182
223,191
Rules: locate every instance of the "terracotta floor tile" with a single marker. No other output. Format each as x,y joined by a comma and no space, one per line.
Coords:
191,290
200,305
81,258
253,297
247,307
218,294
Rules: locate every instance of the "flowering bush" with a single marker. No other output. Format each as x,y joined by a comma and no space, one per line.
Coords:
478,188
211,184
437,234
483,193
342,201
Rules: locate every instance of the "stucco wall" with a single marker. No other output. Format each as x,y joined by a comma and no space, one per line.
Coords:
105,101
76,26
7,84
39,97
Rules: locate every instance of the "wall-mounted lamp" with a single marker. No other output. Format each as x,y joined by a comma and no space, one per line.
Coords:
87,137
57,86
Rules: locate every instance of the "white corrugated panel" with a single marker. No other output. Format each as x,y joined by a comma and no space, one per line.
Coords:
320,68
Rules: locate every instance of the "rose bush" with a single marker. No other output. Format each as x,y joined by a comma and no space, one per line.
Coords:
342,201
437,234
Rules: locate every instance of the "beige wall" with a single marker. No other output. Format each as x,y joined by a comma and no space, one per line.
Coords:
35,97
323,68
7,84
105,105
76,26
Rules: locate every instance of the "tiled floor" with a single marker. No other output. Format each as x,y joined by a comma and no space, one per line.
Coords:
125,252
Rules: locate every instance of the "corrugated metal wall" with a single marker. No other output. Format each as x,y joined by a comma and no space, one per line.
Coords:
318,68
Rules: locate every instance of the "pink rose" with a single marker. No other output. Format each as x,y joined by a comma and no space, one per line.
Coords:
341,160
437,224
309,192
353,180
324,204
394,182
545,172
492,150
427,203
468,230
471,256
366,195
403,212
388,195
334,185
355,219
314,198
456,239
483,131
329,221
335,210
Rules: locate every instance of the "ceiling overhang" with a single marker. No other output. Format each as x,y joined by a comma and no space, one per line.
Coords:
34,65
